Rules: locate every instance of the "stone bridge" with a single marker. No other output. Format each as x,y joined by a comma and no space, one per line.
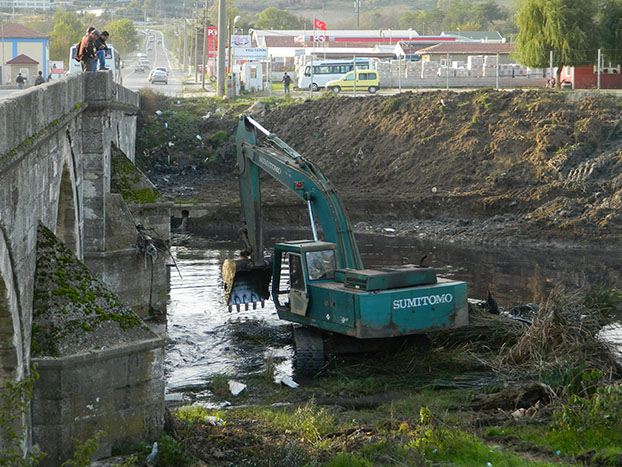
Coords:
55,170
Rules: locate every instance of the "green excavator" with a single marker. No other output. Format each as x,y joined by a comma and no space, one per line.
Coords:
322,283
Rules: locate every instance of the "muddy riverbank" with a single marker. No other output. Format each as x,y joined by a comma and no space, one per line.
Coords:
508,167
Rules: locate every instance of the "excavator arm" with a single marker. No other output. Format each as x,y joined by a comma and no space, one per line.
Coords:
301,177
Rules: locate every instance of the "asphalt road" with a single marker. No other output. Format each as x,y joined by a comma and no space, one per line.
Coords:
158,56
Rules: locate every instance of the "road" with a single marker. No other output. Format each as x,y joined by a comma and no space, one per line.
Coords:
158,56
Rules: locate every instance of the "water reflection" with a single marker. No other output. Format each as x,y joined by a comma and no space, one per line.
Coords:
205,336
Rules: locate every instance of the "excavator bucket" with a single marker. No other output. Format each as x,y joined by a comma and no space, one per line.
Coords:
246,283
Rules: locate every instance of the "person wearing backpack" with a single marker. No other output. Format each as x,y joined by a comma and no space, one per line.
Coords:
86,50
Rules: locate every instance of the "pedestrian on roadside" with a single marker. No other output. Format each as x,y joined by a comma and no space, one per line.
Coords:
286,82
101,48
20,80
86,49
39,79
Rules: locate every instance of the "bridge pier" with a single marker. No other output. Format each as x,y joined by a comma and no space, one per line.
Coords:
55,170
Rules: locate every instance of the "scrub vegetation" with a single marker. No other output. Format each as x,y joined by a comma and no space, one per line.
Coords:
488,394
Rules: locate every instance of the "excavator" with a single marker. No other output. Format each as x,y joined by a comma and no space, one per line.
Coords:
321,283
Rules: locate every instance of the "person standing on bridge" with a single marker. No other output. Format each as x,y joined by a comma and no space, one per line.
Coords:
102,48
86,50
39,79
20,80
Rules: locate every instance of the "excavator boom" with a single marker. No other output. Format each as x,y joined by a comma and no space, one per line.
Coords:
322,283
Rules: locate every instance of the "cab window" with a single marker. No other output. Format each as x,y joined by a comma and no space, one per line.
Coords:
363,76
321,264
349,77
296,276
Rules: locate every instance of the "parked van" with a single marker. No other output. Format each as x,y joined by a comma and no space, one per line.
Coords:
366,80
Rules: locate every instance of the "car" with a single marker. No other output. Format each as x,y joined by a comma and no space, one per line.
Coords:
162,68
140,68
366,80
158,76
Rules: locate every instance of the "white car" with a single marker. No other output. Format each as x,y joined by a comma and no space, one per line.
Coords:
158,76
158,68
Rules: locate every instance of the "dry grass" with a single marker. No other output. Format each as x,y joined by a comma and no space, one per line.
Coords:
564,334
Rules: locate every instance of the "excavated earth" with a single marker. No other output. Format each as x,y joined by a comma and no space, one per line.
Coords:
498,167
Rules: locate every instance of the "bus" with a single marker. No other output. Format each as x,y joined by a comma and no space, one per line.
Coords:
113,63
328,70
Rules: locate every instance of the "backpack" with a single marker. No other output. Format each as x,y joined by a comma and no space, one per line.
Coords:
76,55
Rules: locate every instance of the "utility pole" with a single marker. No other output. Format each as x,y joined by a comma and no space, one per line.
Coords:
185,60
203,61
185,45
357,9
222,28
196,48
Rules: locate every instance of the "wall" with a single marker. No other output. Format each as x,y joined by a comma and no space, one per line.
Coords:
117,391
585,78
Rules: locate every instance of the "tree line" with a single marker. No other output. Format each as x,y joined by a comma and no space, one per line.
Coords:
67,28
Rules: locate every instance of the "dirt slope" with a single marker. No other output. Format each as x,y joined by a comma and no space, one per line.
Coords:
481,166
548,161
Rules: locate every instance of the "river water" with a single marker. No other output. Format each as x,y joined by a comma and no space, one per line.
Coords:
206,339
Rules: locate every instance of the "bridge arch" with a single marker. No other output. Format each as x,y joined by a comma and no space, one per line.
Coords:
11,352
68,223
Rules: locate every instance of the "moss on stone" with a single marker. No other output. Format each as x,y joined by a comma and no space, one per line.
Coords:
129,181
72,310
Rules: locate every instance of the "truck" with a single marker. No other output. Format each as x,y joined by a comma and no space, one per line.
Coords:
321,283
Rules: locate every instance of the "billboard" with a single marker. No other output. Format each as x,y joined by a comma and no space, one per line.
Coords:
212,40
241,41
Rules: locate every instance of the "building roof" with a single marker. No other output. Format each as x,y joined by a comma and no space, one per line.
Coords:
467,48
485,36
17,31
22,60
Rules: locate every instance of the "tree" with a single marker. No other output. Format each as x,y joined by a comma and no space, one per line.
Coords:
273,18
68,30
564,26
610,22
123,35
485,13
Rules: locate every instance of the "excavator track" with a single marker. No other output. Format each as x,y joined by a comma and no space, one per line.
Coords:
309,358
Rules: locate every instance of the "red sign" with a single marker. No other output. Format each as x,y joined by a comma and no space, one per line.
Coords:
212,40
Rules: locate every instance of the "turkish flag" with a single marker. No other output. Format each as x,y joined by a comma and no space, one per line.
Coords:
319,24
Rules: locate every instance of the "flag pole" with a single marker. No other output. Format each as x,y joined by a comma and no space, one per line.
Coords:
312,54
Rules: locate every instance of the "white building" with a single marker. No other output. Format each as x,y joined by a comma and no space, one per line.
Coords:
27,4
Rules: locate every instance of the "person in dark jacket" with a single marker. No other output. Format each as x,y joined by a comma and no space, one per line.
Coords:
20,80
287,80
86,50
101,48
39,79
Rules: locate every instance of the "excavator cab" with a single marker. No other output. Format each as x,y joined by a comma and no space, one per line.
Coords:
297,264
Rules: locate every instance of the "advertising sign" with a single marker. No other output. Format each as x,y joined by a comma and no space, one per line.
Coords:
212,40
241,41
250,53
